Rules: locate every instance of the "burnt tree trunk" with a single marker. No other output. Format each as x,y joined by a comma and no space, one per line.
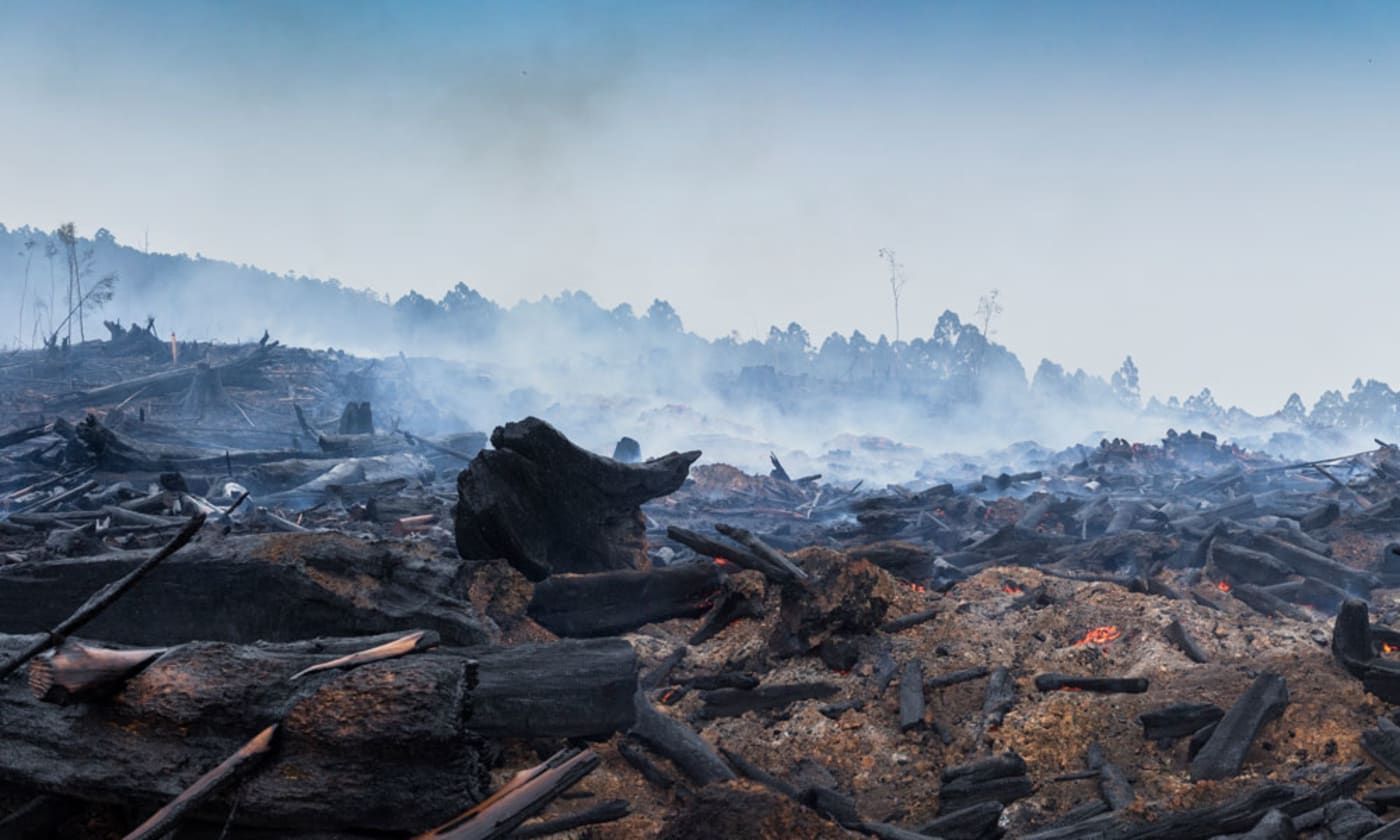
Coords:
547,506
253,588
609,603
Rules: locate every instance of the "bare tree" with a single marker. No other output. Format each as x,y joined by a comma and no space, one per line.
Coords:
51,251
988,307
28,254
897,280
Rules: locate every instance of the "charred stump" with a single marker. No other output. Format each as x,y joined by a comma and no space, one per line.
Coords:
547,506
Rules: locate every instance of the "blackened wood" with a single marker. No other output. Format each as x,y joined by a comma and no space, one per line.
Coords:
885,831
762,550
38,818
1114,786
749,770
519,799
885,669
247,588
706,547
911,696
904,622
384,747
1389,831
609,811
678,742
1177,635
1348,818
730,605
240,371
103,598
1382,798
1312,564
1310,592
999,778
1178,720
1103,685
566,689
1247,565
1263,601
1000,697
609,603
1223,755
1320,516
547,506
1383,744
832,804
206,786
1275,825
1381,677
955,677
75,670
974,822
731,702
635,757
1352,647
728,679
657,676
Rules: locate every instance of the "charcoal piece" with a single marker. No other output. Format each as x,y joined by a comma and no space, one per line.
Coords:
1351,638
728,679
1000,697
1310,592
885,831
1389,831
1320,517
1224,753
904,622
732,702
885,669
648,768
1102,685
1347,819
975,822
739,598
1000,778
1193,747
955,677
1247,565
832,804
547,506
1383,744
1114,786
749,770
609,603
1178,720
678,742
1177,635
839,654
1383,798
1381,677
1266,603
1311,564
911,696
835,710
613,809
658,676
1275,825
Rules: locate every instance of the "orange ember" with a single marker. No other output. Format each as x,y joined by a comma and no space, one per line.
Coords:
1011,589
721,561
1223,586
1099,636
917,588
1387,647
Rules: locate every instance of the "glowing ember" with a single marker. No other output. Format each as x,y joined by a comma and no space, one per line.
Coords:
1011,589
917,588
721,561
1387,647
1223,586
1100,636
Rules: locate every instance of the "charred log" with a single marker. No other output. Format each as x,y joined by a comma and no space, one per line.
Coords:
608,603
1223,755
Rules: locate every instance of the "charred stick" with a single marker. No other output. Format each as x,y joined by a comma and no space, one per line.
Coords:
1178,720
1177,635
955,677
752,771
911,696
103,598
732,702
761,549
1102,685
74,670
678,742
1114,786
416,641
904,622
206,786
1222,756
633,756
613,809
521,798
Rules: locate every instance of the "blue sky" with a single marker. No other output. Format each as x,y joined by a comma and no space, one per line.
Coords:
1211,187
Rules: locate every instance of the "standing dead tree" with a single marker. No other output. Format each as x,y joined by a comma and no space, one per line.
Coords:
897,280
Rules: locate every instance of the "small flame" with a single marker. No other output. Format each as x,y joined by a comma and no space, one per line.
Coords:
1223,586
1387,647
1012,589
1099,636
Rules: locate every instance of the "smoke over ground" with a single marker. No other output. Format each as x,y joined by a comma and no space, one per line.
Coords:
847,406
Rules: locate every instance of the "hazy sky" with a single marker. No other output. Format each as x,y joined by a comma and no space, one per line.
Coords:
1211,187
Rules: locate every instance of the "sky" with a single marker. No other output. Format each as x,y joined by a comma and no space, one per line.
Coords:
1213,188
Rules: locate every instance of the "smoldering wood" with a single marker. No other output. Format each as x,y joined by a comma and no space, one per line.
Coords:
765,552
737,599
1247,565
1265,602
547,506
387,746
742,557
1224,754
246,588
1102,685
1310,592
608,603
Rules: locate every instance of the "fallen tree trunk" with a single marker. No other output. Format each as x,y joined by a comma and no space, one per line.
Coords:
241,371
386,746
608,603
254,588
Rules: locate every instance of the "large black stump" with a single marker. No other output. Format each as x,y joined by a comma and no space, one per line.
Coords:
547,506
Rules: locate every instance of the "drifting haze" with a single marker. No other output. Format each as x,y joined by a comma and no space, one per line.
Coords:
1209,187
